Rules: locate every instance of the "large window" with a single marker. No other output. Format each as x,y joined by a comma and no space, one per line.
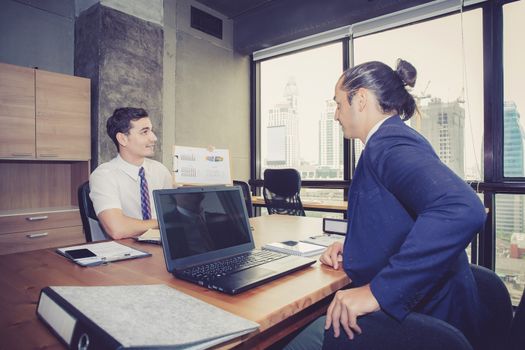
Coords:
459,56
514,93
297,124
510,208
448,55
510,242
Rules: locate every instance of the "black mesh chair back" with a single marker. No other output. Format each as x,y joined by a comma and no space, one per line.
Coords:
92,229
281,192
247,195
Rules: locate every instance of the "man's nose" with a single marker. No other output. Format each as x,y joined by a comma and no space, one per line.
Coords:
153,136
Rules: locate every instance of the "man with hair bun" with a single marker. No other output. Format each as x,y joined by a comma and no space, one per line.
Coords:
121,189
410,219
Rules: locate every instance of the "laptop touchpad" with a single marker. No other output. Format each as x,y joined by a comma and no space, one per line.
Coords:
255,273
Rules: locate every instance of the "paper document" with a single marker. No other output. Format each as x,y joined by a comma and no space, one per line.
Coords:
99,253
200,166
325,239
150,236
295,248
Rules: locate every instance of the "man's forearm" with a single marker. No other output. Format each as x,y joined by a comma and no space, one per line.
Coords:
120,226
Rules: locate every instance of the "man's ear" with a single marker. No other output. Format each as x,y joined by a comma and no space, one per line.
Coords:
122,139
362,98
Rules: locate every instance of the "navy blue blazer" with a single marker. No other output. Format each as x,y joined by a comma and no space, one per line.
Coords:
410,219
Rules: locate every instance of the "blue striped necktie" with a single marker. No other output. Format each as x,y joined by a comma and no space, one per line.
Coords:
144,195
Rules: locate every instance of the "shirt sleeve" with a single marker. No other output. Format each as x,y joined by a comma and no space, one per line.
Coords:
104,191
447,212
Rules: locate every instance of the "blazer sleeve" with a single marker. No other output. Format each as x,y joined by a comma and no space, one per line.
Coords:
448,214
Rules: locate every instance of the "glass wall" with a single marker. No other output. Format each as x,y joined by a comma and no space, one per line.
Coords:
297,113
510,208
510,243
514,93
297,129
448,55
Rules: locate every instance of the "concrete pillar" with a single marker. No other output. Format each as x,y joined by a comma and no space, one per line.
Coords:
123,56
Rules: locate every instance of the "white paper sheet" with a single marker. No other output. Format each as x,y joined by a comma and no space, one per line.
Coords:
201,166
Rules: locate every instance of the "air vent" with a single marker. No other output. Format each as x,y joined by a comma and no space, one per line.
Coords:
206,23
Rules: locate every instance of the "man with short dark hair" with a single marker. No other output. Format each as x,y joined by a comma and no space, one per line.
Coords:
121,189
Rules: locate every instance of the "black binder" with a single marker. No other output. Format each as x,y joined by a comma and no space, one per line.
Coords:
80,332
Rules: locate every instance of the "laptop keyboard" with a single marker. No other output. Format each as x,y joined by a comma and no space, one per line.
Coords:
234,264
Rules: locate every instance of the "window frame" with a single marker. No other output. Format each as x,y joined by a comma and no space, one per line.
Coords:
255,120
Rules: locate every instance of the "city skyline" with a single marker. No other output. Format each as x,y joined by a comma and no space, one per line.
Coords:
450,67
317,70
442,123
510,217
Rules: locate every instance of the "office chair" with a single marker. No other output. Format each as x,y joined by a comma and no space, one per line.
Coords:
497,309
426,332
92,228
247,195
517,329
281,192
500,330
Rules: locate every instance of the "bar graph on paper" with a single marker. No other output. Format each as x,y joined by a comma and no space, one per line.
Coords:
201,166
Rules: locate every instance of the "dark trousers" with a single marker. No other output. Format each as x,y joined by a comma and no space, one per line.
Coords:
417,331
380,331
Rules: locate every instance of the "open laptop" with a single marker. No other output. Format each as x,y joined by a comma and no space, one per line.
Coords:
207,240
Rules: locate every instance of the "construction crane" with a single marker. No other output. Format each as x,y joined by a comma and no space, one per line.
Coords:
421,96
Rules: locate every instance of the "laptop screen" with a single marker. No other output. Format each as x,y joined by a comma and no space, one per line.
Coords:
201,220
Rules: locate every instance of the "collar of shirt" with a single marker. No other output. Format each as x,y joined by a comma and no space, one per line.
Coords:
131,169
375,128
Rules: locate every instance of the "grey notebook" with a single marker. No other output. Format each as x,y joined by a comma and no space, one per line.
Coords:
140,316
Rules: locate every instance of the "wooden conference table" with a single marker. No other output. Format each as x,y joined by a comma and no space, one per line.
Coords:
332,206
280,307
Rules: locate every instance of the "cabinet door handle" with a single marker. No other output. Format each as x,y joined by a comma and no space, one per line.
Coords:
22,154
37,235
49,155
37,218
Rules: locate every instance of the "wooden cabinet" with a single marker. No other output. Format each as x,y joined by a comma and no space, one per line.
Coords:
44,157
44,115
17,112
62,116
39,229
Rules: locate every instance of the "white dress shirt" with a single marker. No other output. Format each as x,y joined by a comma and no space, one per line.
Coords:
116,185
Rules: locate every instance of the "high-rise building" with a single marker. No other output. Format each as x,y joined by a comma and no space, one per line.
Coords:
330,143
509,207
283,130
513,141
443,124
